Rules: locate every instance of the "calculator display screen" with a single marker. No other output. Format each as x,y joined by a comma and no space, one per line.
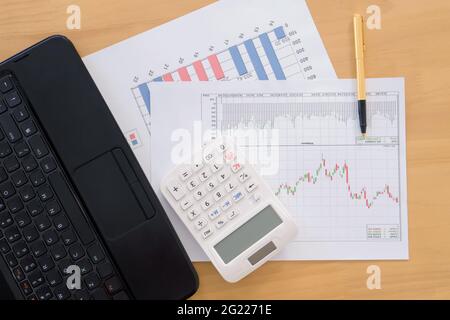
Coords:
248,234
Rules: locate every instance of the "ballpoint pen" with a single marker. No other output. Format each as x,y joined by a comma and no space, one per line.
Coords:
360,72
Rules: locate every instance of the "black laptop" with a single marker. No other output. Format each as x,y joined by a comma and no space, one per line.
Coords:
73,198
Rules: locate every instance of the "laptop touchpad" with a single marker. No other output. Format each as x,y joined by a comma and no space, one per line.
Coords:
112,195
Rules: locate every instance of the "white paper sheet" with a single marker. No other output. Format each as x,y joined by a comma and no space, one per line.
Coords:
347,195
228,40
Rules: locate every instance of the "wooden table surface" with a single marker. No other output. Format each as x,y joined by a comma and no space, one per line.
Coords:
414,42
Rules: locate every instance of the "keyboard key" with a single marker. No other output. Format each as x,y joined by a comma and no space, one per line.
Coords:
28,128
54,278
100,294
45,192
10,128
5,219
60,222
11,164
5,149
176,190
62,293
30,233
27,193
35,207
121,296
68,237
5,84
38,146
85,266
22,219
52,207
28,264
113,285
48,164
76,251
19,178
3,175
4,246
81,295
20,114
38,248
44,293
7,189
29,164
92,281
46,263
21,149
14,204
18,273
50,237
58,251
63,265
20,249
37,178
42,222
71,207
96,253
2,205
11,260
3,108
12,234
13,99
26,288
105,270
36,278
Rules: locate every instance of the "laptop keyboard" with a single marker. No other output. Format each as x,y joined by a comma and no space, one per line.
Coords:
42,230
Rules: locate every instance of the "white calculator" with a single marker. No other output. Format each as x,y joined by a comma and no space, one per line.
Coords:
230,210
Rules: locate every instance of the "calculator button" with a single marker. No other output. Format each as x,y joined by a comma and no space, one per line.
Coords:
238,195
186,203
220,223
193,183
235,167
229,156
211,185
256,197
192,213
226,204
251,186
200,223
230,185
243,176
214,214
216,166
222,147
204,174
206,203
185,174
206,233
209,157
199,193
232,214
223,175
197,166
218,194
176,190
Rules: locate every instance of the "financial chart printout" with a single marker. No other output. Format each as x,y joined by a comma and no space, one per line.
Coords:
233,40
347,194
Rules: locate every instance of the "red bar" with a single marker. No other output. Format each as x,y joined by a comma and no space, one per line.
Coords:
184,74
200,71
215,64
167,77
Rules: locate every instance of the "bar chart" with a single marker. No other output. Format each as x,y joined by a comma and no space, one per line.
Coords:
271,55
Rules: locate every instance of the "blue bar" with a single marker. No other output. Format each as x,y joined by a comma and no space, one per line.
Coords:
145,93
237,59
279,32
159,79
271,55
256,61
